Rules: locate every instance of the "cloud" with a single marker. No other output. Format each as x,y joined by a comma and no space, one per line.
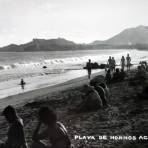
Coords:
78,20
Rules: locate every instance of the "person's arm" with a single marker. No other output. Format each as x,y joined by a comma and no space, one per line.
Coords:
35,134
39,136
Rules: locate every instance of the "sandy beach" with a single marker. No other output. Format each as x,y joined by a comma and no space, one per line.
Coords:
125,117
25,97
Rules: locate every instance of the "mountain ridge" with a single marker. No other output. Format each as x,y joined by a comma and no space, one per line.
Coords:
136,37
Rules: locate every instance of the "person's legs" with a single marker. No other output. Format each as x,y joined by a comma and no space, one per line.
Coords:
89,73
2,145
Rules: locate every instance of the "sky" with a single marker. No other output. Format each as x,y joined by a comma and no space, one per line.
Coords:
81,21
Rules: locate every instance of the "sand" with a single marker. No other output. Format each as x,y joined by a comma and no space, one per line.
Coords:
20,99
126,115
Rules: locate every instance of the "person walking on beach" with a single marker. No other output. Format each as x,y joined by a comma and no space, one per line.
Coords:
109,62
122,63
16,136
128,60
89,67
54,131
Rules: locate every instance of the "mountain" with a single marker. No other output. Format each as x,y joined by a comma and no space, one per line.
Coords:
129,37
42,45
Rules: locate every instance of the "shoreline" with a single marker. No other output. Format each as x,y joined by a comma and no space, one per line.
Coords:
33,95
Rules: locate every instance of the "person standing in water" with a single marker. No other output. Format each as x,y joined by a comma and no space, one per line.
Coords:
128,60
22,83
122,63
89,67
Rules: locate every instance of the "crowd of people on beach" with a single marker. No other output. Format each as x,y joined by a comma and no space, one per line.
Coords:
95,95
111,64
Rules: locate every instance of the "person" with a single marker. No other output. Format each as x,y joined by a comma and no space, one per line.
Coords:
91,100
146,67
116,75
144,94
122,75
141,76
128,60
101,93
16,136
106,89
122,63
22,83
89,67
109,63
108,77
55,132
113,64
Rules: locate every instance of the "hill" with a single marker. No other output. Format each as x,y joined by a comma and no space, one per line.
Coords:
132,37
129,38
42,45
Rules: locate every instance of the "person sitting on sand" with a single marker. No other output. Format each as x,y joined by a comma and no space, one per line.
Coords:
101,93
106,89
91,100
116,76
122,75
55,132
108,77
16,137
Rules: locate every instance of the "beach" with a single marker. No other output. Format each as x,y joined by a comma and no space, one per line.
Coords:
125,117
60,67
25,97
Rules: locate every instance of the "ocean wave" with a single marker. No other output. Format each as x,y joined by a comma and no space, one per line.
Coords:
65,61
46,62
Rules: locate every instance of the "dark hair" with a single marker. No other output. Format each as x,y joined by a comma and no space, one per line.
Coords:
46,114
9,110
108,71
103,85
117,70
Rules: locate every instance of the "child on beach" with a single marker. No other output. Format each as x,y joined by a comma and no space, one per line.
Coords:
16,137
55,131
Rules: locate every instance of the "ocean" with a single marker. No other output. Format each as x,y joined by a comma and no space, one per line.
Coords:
61,67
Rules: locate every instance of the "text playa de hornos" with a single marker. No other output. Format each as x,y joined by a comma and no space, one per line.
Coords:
111,137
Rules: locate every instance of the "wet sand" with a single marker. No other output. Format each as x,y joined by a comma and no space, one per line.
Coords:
125,117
